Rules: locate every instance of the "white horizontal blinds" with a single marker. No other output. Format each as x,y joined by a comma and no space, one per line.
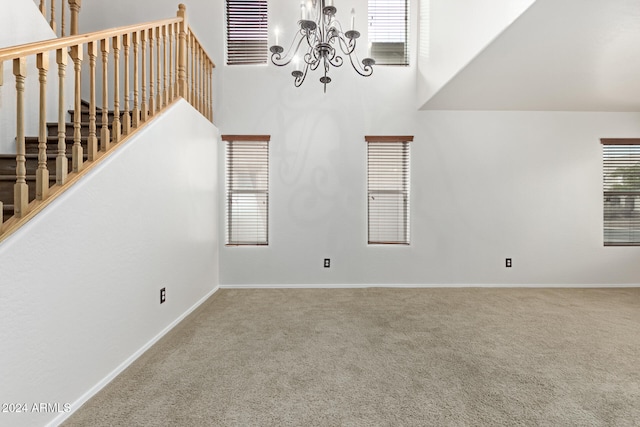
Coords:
388,31
247,177
621,167
247,32
388,191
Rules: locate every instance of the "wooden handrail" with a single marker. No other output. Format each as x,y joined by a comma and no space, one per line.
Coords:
168,62
13,52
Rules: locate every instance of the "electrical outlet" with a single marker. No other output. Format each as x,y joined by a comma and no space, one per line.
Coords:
163,295
327,263
508,262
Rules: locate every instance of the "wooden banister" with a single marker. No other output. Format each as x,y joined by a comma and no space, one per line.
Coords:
164,60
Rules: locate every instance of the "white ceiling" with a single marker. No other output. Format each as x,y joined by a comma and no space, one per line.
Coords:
560,55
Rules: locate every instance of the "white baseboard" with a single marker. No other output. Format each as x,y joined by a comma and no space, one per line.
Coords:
124,365
432,285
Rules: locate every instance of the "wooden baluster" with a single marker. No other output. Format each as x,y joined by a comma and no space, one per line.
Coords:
42,173
135,119
176,35
198,78
192,98
74,6
62,16
152,103
201,81
182,53
62,163
126,118
144,110
92,142
77,152
1,73
116,128
52,23
43,8
158,65
165,93
209,75
105,134
20,189
171,82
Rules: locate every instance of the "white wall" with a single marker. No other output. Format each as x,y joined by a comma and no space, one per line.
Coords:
452,33
19,24
80,283
485,186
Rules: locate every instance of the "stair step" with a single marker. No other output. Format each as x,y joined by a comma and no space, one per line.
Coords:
7,182
8,163
52,128
7,211
31,144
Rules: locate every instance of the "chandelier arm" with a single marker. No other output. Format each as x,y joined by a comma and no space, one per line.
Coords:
367,68
336,60
347,47
300,76
288,57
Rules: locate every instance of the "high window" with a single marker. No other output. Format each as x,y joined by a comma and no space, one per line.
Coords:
247,189
621,167
388,185
247,32
389,31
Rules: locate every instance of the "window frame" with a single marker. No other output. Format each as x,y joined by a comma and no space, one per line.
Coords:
382,8
625,158
402,221
246,22
232,219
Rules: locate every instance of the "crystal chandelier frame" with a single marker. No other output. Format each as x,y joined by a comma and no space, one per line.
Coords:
322,36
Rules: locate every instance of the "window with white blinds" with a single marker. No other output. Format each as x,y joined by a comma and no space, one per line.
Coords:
247,189
247,32
621,169
389,31
388,185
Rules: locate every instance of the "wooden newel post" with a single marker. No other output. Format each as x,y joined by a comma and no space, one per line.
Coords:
20,189
182,52
74,6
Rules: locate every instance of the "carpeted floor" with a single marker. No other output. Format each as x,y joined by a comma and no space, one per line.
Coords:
388,357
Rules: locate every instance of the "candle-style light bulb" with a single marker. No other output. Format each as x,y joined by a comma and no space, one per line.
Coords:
353,19
303,11
296,63
277,32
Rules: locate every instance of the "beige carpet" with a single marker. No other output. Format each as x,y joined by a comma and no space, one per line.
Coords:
388,357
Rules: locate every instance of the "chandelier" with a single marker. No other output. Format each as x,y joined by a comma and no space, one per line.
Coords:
319,36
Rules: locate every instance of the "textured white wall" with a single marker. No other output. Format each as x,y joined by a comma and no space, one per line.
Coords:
19,24
485,185
80,283
454,32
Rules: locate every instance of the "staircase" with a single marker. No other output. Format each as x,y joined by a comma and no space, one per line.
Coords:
144,68
8,161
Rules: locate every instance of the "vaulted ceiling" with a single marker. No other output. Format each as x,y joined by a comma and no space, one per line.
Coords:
559,55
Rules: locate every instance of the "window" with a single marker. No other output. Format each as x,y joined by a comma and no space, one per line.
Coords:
388,31
621,167
246,32
247,185
388,189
